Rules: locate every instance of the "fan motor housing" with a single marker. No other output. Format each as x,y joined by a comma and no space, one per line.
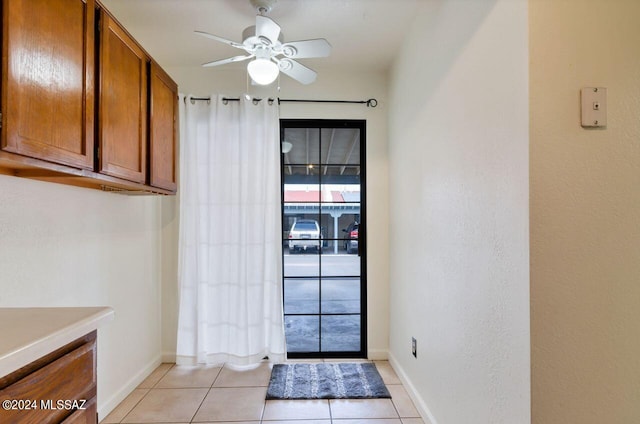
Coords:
250,40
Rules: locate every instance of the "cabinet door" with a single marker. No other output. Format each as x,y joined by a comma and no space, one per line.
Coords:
70,378
87,415
122,117
48,80
163,129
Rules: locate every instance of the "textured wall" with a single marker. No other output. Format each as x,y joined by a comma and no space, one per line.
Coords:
585,214
69,246
459,212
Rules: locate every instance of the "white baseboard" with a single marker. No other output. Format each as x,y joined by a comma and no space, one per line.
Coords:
104,408
420,404
377,354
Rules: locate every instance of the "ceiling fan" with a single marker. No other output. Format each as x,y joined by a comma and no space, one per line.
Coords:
265,44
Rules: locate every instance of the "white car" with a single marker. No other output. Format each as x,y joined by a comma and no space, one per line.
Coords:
304,235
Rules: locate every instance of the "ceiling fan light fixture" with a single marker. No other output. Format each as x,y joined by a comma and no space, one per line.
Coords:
263,71
264,43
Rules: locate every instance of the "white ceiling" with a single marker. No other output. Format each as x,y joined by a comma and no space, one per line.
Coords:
364,34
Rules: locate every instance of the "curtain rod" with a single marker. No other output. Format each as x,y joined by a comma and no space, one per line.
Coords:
225,100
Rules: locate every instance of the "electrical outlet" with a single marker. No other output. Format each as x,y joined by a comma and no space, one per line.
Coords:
414,347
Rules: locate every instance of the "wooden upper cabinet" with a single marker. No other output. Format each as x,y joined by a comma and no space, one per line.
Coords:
81,102
48,80
163,129
123,104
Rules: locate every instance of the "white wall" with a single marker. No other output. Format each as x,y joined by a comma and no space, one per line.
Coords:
69,246
346,86
585,203
458,164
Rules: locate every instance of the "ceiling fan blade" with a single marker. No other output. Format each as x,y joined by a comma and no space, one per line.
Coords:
318,47
267,28
225,61
297,71
222,40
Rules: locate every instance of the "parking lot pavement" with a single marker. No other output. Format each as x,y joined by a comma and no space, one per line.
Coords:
339,296
336,292
312,265
339,333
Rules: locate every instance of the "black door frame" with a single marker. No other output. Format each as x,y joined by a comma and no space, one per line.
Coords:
360,124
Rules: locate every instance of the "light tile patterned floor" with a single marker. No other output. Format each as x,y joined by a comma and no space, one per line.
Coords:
179,395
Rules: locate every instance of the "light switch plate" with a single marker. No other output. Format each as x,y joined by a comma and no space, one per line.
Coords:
594,106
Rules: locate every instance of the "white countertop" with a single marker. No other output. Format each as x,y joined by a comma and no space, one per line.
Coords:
27,334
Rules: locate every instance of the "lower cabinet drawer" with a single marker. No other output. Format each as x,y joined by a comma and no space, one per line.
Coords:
54,392
88,415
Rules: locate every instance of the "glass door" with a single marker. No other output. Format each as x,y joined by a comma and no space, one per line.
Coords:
324,255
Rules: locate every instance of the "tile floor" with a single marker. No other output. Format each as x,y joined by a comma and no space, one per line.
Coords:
178,394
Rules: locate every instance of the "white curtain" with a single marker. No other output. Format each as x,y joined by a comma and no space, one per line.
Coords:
230,248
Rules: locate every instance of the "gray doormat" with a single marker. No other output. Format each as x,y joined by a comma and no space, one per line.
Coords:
326,381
